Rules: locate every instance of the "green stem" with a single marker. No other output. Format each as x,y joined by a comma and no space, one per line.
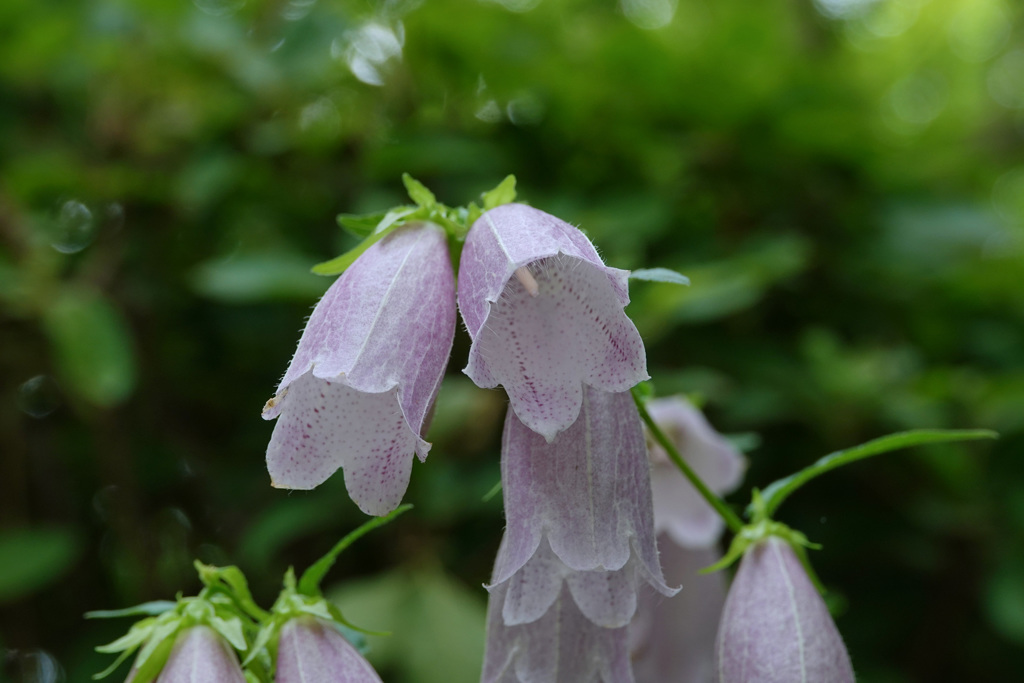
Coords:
732,520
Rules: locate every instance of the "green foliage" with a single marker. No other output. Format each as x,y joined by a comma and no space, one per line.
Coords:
33,558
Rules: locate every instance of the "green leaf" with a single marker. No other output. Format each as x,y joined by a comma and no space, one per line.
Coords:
231,629
361,226
33,558
779,490
338,265
659,275
504,193
309,583
93,346
145,609
418,192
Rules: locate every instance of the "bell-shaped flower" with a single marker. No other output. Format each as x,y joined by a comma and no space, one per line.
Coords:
679,510
563,646
775,627
578,511
199,655
674,640
545,316
312,650
367,369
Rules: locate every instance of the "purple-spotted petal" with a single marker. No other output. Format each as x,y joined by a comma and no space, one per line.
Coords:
674,639
200,655
775,627
563,646
588,492
313,651
367,369
545,316
678,508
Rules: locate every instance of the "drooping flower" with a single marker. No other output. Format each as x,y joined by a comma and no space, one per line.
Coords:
578,512
674,639
366,371
775,627
311,650
679,510
199,655
563,646
545,316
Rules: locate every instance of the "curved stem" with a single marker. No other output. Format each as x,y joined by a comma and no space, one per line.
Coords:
732,520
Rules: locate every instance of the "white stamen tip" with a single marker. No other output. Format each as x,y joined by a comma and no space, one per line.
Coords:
529,282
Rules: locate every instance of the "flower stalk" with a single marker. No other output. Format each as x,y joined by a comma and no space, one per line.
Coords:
732,520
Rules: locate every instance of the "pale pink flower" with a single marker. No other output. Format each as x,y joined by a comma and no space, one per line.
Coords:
578,511
775,627
311,650
679,510
367,369
545,316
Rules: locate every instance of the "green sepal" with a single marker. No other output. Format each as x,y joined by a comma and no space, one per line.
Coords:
237,586
231,629
150,668
418,192
153,608
504,193
779,490
309,583
361,226
339,264
262,640
117,662
760,530
136,636
659,275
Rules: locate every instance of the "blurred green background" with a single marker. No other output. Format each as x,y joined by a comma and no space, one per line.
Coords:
842,180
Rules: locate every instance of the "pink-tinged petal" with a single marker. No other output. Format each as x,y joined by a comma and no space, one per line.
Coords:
674,639
313,651
329,425
563,646
534,588
200,655
678,508
775,627
607,598
545,316
367,369
588,491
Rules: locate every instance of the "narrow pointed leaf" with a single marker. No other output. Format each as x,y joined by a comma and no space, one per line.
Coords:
361,226
418,192
145,609
779,490
138,634
504,193
117,662
340,264
659,275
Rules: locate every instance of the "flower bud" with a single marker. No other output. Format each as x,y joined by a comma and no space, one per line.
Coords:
199,655
313,651
775,627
